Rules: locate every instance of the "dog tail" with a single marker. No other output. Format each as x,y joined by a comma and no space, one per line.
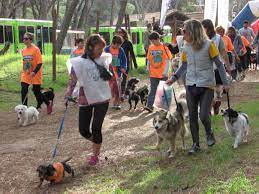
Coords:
246,117
66,160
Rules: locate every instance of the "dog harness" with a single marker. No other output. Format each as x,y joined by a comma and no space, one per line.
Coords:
59,173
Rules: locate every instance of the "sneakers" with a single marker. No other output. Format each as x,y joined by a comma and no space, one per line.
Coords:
116,107
49,108
211,140
149,109
216,107
195,148
93,160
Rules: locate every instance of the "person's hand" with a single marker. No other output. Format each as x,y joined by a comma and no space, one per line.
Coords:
32,74
226,88
169,82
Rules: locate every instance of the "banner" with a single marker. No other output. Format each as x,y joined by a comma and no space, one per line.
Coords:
210,10
223,13
164,7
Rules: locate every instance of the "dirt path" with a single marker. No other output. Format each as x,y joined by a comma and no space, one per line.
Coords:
125,133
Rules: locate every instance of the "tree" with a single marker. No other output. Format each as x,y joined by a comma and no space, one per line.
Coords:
70,8
122,11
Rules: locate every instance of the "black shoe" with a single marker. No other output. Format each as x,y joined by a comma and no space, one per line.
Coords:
194,148
211,140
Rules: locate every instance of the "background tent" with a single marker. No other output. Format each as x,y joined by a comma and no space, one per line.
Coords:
250,12
255,26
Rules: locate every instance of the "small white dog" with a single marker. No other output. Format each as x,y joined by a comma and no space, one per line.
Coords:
26,115
237,125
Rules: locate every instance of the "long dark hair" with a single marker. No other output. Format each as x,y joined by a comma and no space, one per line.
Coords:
210,30
91,42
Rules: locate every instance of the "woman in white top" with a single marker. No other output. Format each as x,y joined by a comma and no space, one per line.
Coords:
94,92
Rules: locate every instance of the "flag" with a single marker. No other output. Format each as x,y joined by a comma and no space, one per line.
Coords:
164,7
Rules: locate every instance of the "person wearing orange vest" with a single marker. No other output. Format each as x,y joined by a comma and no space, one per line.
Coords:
158,58
32,72
79,50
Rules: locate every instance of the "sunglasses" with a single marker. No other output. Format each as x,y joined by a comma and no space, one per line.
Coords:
26,38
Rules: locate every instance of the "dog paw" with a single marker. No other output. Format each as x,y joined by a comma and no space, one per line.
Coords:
235,146
245,140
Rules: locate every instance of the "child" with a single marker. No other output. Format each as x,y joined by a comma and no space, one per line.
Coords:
118,67
79,50
158,63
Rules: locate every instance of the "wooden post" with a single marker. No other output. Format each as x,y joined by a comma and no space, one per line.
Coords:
54,42
112,11
128,19
97,21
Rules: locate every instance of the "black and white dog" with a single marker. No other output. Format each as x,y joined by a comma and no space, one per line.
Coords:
136,95
237,124
49,94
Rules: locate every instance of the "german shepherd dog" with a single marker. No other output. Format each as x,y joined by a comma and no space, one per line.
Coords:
168,125
136,95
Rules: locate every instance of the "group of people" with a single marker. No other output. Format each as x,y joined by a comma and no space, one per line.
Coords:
206,54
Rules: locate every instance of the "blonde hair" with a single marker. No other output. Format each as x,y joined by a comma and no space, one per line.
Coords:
196,32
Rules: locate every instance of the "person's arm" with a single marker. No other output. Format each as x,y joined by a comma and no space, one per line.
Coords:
124,61
223,54
252,33
221,69
37,68
71,83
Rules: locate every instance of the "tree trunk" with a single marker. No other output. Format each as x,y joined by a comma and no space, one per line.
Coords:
74,22
112,12
43,10
54,42
84,16
65,24
123,5
24,10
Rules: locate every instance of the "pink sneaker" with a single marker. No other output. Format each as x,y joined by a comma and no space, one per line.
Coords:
49,108
93,160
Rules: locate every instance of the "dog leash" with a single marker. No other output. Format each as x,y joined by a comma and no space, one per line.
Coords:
228,100
59,131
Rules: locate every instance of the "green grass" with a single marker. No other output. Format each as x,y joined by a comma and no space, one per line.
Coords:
236,184
220,169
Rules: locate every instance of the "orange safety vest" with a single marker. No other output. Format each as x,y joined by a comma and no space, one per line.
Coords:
59,174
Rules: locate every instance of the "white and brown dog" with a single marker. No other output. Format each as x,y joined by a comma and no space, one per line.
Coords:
237,125
26,115
168,125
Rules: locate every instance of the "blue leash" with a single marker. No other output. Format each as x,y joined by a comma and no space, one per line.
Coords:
59,131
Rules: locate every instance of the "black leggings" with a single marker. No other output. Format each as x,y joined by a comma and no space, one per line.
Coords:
96,113
37,93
